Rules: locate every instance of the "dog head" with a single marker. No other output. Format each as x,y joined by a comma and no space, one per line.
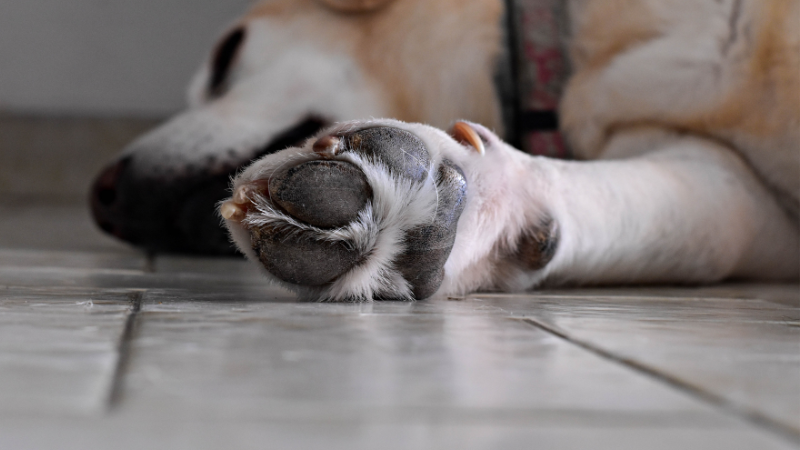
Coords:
279,75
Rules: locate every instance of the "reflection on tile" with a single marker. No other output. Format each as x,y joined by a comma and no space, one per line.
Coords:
385,367
219,358
745,351
195,432
236,266
58,349
61,270
782,293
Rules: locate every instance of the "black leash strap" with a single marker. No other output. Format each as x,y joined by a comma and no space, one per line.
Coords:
520,122
546,120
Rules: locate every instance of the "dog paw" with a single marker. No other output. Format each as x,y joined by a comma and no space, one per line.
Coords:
362,212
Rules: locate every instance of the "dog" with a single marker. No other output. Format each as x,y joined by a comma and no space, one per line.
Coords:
686,114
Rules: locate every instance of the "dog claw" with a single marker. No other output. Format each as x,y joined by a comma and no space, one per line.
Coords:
326,146
464,133
242,195
230,210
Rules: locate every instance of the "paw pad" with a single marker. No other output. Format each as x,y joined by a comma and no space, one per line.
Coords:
325,194
299,259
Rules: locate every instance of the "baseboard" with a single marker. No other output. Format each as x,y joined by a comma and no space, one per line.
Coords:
46,156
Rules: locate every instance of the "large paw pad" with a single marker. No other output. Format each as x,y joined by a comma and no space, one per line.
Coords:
325,194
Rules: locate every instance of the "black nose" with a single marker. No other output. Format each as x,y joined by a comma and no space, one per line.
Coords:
162,204
176,214
104,196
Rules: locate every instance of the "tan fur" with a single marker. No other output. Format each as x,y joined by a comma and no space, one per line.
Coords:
355,5
412,58
692,106
598,43
753,106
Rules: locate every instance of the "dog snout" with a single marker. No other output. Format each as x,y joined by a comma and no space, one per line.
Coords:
104,197
158,213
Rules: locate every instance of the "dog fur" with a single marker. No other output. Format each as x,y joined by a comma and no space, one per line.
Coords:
283,63
688,112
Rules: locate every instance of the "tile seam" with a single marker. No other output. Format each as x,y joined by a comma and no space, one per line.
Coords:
124,350
726,406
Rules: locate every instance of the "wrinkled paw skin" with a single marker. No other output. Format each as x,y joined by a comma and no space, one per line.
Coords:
356,215
428,246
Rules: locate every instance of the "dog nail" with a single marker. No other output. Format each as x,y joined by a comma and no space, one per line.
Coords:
464,133
232,211
326,146
241,195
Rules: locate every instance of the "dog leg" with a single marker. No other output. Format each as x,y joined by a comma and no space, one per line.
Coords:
686,211
384,209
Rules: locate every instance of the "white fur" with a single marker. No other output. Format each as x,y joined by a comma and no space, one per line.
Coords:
657,205
688,210
397,205
281,76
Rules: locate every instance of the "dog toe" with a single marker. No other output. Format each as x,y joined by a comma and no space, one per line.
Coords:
399,151
299,260
325,194
427,247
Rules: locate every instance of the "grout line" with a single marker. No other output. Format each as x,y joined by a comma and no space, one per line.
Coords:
124,350
720,402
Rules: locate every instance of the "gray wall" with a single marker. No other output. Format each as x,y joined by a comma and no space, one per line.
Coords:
79,79
105,57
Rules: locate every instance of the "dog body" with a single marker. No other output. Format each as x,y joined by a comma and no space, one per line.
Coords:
689,110
705,89
727,71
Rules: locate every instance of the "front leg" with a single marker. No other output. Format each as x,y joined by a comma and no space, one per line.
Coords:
426,214
685,210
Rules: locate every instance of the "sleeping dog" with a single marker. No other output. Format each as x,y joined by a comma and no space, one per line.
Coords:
689,112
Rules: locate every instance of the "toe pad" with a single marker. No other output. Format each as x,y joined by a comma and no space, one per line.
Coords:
325,194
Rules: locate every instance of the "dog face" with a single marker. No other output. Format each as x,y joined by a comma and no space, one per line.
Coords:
285,71
256,95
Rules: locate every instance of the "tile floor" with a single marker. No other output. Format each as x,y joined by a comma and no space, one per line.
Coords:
102,347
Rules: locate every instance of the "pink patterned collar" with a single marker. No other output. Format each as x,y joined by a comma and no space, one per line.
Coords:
537,30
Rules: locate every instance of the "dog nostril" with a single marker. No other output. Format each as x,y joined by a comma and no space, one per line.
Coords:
105,189
107,196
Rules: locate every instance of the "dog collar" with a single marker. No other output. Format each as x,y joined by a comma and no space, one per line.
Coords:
536,70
